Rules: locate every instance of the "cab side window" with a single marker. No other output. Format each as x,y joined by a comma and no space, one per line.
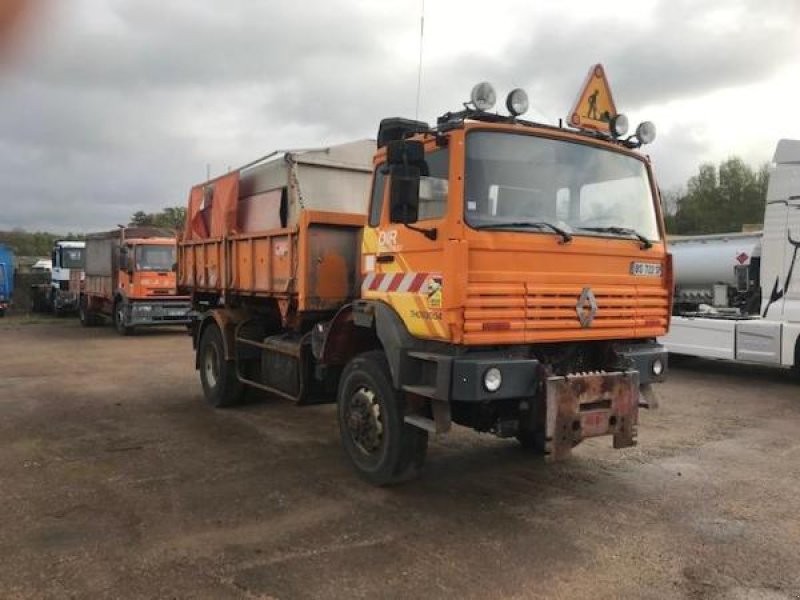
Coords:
433,188
376,204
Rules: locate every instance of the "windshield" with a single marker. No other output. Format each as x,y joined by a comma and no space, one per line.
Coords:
155,258
583,189
72,258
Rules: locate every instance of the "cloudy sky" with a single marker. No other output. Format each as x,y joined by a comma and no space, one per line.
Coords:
112,106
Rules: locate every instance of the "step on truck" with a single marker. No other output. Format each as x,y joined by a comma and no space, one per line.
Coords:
491,272
130,279
737,295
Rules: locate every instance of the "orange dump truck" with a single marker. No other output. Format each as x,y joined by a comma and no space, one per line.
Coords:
130,278
491,272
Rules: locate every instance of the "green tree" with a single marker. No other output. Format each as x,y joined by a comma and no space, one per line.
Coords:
721,199
172,217
141,219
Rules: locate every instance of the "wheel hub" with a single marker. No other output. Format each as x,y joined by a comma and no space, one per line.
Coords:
210,366
364,420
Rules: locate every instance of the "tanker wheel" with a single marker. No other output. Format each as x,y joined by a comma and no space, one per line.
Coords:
221,386
382,448
119,318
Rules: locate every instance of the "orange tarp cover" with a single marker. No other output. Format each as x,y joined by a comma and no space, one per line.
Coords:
215,219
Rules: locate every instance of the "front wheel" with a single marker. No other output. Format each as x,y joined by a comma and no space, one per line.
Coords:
119,318
221,386
381,446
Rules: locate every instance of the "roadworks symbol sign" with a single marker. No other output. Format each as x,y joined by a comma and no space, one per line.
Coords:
594,107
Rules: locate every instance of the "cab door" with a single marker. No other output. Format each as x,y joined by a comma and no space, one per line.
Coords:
403,263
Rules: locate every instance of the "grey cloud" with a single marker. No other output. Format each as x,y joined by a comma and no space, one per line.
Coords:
104,119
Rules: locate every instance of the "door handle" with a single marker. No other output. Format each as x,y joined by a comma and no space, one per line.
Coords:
385,258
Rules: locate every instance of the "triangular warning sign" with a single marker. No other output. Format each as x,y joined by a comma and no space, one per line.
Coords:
594,107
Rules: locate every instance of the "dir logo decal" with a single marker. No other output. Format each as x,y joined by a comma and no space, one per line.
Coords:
387,241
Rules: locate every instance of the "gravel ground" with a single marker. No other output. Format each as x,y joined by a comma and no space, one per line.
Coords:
116,481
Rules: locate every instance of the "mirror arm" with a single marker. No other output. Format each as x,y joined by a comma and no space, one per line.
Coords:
431,233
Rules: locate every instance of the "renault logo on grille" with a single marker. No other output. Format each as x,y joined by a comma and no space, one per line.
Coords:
586,307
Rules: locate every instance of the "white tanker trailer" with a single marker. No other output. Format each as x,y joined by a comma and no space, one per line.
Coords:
718,273
737,296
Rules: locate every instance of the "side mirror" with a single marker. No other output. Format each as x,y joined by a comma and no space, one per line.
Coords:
404,194
405,152
406,159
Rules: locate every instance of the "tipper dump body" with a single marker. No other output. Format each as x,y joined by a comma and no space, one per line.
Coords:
288,229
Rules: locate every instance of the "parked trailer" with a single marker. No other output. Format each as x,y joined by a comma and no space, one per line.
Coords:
749,310
130,279
6,278
448,293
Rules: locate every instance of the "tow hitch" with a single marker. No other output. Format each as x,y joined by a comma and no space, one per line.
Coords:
588,405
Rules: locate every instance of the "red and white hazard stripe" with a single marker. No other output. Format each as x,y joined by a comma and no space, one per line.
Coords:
394,282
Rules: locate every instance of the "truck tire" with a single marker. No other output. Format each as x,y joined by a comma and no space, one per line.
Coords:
382,448
119,318
57,312
532,441
221,386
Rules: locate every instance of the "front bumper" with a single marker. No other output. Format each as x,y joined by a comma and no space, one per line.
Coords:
158,313
590,405
65,300
641,357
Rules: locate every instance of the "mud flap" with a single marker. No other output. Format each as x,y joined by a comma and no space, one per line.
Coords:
588,405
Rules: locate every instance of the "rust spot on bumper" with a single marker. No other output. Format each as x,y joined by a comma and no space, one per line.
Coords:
583,405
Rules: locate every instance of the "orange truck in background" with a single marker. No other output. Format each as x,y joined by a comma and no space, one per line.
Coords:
130,279
491,272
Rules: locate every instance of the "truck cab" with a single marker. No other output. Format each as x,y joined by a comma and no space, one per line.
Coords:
68,259
147,268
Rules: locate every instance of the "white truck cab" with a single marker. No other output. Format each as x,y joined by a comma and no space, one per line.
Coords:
748,309
68,263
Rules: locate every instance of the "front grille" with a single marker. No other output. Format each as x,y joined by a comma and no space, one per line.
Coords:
539,313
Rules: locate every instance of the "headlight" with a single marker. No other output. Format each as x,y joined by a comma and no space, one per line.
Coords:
483,96
619,125
492,379
517,102
657,367
646,132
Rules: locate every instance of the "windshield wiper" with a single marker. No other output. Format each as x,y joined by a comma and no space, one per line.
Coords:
646,244
565,235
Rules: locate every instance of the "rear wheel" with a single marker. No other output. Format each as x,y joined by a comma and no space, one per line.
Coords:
381,446
119,318
221,386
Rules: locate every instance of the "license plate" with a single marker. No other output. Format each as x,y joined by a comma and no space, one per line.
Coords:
646,269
